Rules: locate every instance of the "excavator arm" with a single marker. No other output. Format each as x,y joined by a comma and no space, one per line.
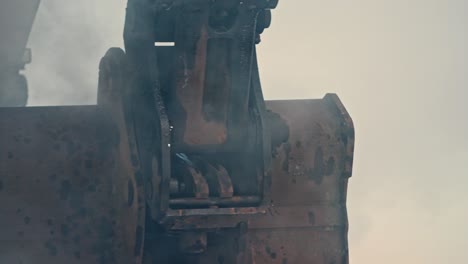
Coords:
16,21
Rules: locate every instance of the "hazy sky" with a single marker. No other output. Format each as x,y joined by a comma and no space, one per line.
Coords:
399,66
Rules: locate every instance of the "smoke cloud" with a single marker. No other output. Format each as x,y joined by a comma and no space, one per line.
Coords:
68,41
399,67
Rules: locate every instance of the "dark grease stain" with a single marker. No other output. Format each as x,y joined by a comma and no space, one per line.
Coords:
27,220
311,217
10,155
76,172
317,173
50,222
76,200
1,186
82,212
51,247
287,151
321,168
65,230
77,255
91,188
285,261
298,144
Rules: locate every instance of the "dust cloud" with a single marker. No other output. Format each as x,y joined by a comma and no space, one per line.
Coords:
399,66
68,40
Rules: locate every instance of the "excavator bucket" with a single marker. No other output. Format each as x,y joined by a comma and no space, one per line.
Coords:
181,160
69,190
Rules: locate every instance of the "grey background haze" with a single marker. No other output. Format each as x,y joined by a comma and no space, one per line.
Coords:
399,66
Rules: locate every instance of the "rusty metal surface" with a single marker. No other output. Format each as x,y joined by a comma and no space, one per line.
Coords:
199,182
219,180
193,242
190,88
200,186
306,220
69,185
209,105
297,246
315,163
258,218
310,174
63,189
